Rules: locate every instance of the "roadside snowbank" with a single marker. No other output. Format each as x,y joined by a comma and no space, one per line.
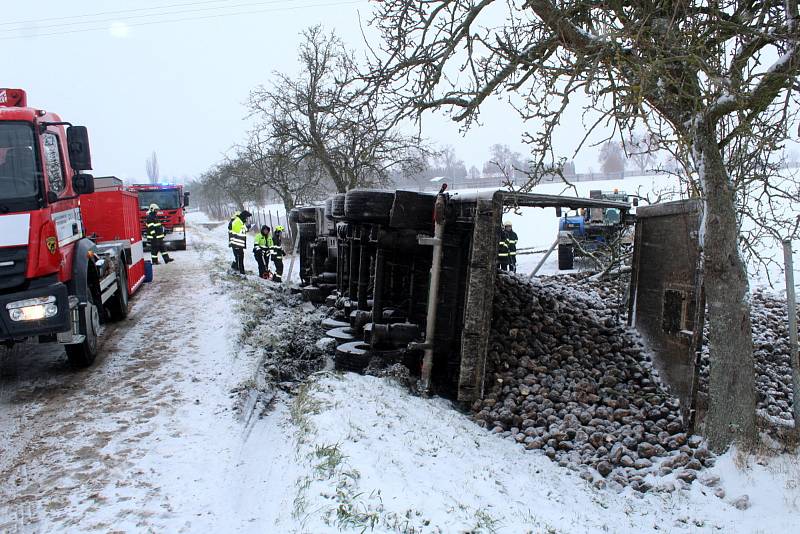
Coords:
376,457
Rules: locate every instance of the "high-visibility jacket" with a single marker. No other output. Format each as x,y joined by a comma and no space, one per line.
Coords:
237,235
155,230
263,242
230,221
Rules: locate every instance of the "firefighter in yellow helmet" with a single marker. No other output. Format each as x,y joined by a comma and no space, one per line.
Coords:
155,235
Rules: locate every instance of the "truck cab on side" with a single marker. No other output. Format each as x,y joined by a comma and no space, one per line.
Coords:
56,285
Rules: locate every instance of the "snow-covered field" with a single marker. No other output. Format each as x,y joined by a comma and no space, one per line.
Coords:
163,435
538,227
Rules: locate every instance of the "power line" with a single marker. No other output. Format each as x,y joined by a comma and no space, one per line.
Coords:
156,14
185,19
68,17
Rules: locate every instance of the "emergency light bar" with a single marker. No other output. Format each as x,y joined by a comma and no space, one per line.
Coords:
13,98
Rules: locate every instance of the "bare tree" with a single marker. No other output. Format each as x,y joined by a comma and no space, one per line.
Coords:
704,76
326,114
272,165
151,165
640,149
505,161
612,158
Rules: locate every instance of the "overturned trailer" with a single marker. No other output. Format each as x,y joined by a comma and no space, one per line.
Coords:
412,275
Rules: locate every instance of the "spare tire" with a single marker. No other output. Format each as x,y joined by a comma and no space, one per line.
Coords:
337,206
328,209
353,356
365,205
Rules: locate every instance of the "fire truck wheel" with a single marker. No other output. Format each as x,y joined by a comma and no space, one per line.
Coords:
352,356
180,245
329,209
118,305
83,354
566,257
368,206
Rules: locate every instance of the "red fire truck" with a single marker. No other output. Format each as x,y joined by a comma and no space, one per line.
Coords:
70,257
172,202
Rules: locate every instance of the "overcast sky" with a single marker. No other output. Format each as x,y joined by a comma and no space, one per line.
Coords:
172,76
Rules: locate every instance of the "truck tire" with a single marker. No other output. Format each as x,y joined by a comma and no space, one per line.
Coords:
329,209
181,245
83,354
118,305
337,206
566,257
364,205
353,356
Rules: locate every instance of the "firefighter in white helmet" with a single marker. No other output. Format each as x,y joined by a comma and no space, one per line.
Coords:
507,248
155,235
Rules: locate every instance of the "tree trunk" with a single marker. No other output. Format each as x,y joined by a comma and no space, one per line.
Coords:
289,205
731,389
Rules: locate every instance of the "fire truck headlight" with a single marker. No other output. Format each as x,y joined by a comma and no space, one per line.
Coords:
32,309
177,228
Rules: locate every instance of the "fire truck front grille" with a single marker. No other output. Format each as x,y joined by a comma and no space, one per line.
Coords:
13,261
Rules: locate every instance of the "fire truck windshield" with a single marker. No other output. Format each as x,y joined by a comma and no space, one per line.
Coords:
18,169
167,200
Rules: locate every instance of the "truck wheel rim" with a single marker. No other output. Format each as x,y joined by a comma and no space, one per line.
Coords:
94,325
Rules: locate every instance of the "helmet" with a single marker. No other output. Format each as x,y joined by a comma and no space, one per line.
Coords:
279,228
245,215
265,229
507,223
154,207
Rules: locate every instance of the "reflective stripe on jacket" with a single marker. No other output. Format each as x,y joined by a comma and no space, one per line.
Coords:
511,240
262,242
275,247
155,230
237,235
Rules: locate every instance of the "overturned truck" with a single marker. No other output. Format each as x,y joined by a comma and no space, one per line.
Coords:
411,277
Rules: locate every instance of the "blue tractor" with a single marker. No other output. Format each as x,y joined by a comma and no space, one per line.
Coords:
590,229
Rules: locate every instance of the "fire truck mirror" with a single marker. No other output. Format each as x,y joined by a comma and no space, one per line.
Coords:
83,184
78,144
558,211
635,201
186,200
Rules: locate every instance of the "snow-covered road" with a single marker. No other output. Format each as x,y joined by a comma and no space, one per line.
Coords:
149,438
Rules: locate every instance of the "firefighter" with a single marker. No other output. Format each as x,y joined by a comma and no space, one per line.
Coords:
237,239
502,251
262,250
230,223
511,243
155,235
277,253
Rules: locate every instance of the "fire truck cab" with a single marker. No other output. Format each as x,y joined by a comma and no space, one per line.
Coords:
172,203
57,282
